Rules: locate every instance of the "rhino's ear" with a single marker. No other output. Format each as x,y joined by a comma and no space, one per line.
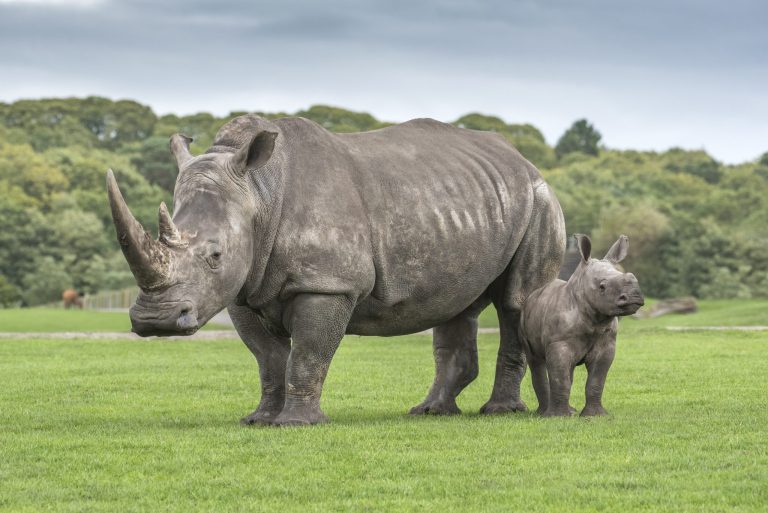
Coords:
584,245
254,153
618,251
180,148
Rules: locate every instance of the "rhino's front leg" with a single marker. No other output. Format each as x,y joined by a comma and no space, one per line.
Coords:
510,366
560,364
540,382
317,323
597,371
271,353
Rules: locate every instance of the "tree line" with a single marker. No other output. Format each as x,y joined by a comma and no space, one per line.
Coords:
697,227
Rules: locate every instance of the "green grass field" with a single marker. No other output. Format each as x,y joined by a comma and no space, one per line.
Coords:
723,312
46,320
90,425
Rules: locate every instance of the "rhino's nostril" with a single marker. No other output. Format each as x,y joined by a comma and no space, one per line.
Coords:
623,298
187,319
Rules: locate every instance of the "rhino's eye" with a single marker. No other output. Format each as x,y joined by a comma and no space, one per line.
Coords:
602,286
214,256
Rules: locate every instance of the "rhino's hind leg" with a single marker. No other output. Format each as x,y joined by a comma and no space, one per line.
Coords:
271,353
536,263
317,323
455,351
510,366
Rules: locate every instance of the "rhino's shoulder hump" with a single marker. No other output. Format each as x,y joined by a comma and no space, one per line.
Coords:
303,129
237,132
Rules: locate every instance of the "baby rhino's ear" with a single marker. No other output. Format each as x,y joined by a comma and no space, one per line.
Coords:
584,245
618,251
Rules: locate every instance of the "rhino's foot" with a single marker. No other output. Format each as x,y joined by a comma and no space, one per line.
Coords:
495,407
436,407
593,411
260,417
300,418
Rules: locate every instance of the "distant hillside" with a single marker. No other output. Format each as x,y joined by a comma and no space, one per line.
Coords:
696,226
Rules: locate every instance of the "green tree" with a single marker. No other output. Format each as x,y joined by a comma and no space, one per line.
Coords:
477,121
22,167
116,123
646,226
581,137
696,163
47,284
9,294
526,138
75,237
340,120
155,162
22,233
201,127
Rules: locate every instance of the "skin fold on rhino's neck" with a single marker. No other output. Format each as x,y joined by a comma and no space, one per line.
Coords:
267,186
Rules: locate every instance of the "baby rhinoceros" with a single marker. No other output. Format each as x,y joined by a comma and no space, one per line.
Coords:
565,324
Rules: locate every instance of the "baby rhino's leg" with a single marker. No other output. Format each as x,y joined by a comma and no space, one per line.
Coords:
540,382
541,386
597,370
560,365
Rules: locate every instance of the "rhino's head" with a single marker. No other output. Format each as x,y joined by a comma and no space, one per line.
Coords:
203,254
599,283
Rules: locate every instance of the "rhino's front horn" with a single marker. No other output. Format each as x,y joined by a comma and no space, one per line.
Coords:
147,258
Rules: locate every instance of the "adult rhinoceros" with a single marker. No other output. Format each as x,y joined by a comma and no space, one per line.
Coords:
305,235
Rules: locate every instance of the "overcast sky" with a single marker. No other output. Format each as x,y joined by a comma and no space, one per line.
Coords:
649,75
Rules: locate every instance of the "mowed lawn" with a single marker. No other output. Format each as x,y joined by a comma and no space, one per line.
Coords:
90,425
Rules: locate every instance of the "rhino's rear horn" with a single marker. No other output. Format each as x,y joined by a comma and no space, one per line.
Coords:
168,234
147,258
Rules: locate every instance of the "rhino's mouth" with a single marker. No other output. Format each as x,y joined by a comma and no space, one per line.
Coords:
629,305
163,318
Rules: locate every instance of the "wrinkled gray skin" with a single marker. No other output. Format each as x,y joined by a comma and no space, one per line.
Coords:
305,235
566,324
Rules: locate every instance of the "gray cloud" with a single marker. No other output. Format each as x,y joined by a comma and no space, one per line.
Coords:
649,74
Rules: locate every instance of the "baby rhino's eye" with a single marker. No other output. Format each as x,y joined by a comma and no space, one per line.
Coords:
602,286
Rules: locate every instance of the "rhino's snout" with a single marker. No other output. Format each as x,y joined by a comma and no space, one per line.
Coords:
162,319
631,299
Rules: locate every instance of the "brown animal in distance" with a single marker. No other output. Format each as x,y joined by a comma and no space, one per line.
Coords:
71,299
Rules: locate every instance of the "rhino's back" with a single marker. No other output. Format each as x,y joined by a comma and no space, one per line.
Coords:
430,213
